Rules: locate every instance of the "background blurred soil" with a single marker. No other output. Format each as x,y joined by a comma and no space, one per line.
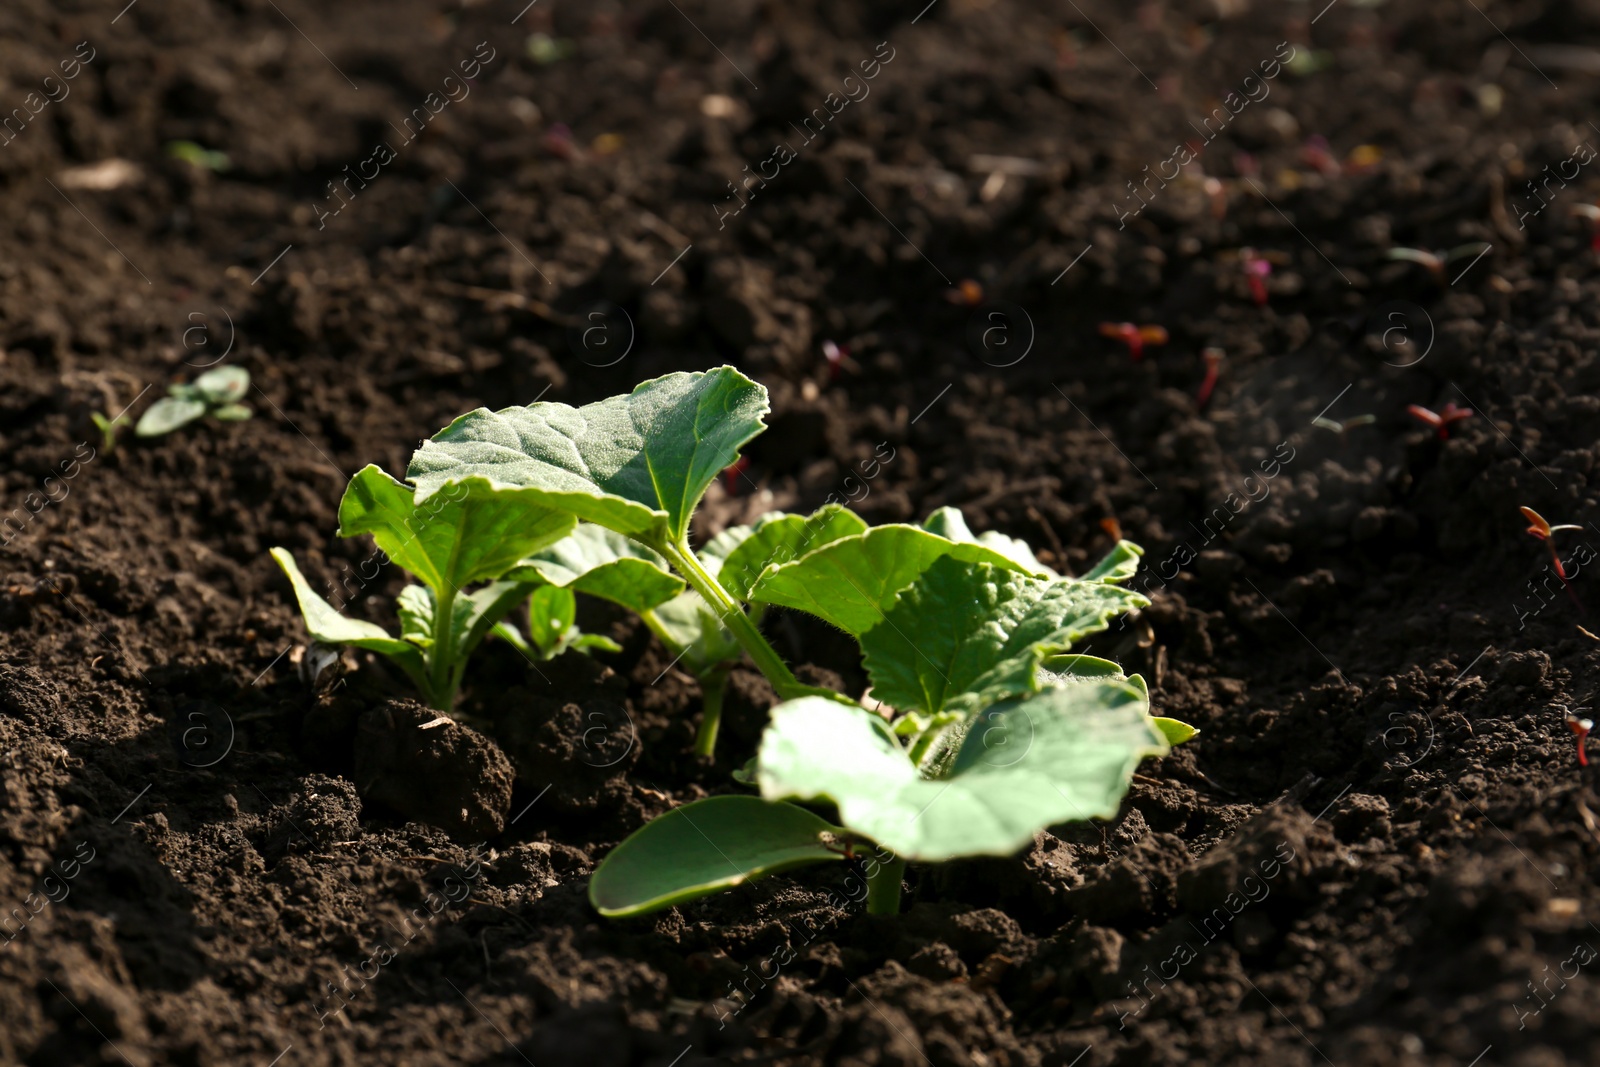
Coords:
1379,659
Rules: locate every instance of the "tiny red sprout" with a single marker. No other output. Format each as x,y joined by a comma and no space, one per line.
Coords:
835,355
1580,729
1317,154
1213,359
1135,337
1343,428
1112,527
1256,269
732,473
1441,420
967,294
1543,531
558,141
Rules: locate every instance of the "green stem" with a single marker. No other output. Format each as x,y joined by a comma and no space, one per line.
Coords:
732,615
442,691
713,687
883,888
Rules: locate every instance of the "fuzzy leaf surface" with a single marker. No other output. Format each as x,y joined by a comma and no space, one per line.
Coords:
637,464
852,582
468,533
1066,753
778,538
603,563
975,632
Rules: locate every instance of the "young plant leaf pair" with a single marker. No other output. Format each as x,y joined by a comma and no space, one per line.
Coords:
217,393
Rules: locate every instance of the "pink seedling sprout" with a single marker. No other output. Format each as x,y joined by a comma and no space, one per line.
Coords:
1319,155
1580,729
1213,360
558,141
1135,337
1439,420
1256,269
1541,530
835,355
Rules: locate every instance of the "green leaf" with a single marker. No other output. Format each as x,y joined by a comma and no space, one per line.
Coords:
704,847
949,523
778,538
1118,566
603,563
414,605
977,632
636,464
551,612
852,582
232,412
223,385
479,611
688,625
1175,731
598,642
1063,754
325,624
167,414
467,534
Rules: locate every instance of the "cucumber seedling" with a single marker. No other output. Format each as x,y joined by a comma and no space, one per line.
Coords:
465,536
986,730
216,393
1436,262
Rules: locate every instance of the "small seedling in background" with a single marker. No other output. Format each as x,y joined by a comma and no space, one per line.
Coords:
1343,428
1580,730
1112,527
199,156
1317,154
1135,337
553,627
215,393
1436,262
1592,213
1541,530
108,429
1439,420
1256,269
1213,357
545,50
557,140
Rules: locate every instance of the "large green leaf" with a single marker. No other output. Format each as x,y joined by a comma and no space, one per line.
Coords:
603,563
636,464
325,624
469,533
852,582
473,614
777,539
949,523
1066,753
703,847
978,632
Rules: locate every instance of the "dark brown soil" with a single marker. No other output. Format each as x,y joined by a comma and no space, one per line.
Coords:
1381,850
